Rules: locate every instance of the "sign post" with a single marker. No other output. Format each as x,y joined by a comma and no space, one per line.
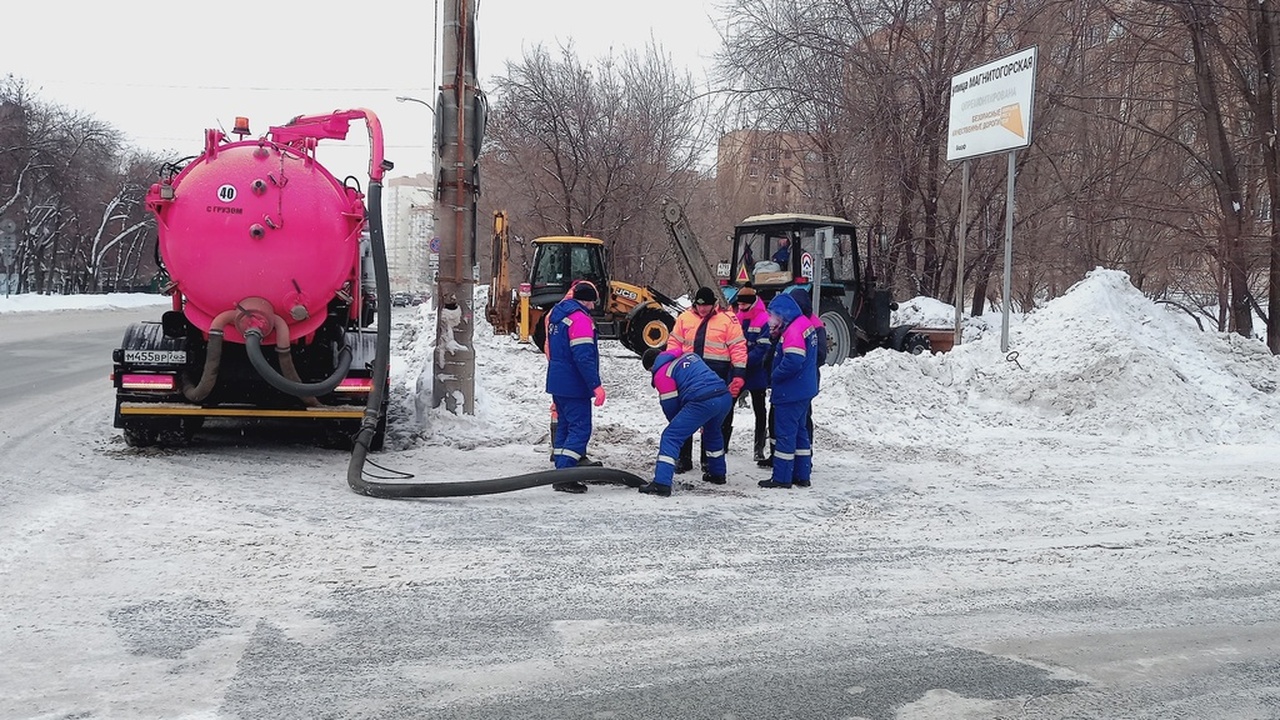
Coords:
8,252
991,111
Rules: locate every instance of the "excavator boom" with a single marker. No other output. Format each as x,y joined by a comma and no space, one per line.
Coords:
691,261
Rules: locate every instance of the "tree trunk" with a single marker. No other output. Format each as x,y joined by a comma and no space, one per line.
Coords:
1226,176
1264,33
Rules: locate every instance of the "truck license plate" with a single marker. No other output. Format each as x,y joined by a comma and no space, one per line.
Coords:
156,357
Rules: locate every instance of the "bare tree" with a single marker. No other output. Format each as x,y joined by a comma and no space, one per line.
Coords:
578,148
75,193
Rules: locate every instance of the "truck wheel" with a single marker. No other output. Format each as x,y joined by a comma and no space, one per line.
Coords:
839,335
140,437
649,329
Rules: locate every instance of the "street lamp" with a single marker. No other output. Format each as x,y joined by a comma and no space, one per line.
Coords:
429,106
405,98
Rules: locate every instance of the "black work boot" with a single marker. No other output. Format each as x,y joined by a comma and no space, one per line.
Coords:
684,463
573,486
758,454
588,462
714,479
653,488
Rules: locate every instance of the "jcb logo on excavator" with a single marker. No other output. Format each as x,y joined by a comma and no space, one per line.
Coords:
625,293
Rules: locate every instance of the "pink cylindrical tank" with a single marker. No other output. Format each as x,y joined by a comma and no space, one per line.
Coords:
258,219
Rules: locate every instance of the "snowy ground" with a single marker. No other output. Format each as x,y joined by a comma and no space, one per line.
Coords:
1087,529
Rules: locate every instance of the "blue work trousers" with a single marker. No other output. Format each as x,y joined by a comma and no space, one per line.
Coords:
792,452
706,414
573,429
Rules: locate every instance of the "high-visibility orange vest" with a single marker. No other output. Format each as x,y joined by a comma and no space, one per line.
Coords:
718,341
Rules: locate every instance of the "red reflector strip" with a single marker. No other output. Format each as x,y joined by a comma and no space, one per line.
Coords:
358,385
146,382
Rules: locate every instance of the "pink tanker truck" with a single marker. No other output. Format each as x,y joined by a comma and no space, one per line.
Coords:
272,275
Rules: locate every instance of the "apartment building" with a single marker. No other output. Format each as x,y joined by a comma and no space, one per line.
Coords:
408,218
764,172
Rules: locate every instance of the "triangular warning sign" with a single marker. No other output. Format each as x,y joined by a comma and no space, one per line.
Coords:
742,274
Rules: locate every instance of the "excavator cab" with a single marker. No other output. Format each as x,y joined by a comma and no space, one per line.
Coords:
559,261
639,317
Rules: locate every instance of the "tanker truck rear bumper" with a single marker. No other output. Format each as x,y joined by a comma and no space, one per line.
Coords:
162,397
168,410
173,422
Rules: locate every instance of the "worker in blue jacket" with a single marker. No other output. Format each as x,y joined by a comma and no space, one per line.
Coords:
693,396
573,377
794,382
801,296
820,330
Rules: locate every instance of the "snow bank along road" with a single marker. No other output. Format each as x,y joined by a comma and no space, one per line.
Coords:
970,572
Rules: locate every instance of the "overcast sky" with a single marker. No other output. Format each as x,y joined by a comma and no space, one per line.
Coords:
161,73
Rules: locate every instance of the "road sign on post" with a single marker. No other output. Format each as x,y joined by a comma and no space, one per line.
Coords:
991,107
991,112
8,248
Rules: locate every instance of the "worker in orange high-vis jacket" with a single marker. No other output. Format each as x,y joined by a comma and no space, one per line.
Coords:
716,337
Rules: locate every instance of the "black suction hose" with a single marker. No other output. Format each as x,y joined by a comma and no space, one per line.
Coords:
369,423
253,345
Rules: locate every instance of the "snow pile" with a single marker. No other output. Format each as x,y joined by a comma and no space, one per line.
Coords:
1105,359
108,301
1102,359
511,404
927,312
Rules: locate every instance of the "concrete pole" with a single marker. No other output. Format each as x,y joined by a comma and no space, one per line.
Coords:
454,358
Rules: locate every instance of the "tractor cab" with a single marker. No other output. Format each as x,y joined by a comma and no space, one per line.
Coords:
780,251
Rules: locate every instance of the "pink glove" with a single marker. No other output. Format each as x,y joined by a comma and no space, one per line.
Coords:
599,392
735,386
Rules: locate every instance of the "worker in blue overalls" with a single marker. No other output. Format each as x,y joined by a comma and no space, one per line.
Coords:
794,382
693,396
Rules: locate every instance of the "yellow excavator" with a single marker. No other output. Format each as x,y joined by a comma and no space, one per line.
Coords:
639,317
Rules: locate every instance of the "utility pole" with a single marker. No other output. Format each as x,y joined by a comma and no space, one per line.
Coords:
457,149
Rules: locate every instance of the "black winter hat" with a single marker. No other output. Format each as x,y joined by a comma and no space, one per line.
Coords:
585,292
705,296
649,358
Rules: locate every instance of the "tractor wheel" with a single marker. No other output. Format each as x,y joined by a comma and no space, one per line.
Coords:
839,333
649,329
540,335
624,337
916,344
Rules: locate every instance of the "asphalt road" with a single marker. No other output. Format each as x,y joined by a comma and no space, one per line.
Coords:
48,352
240,578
